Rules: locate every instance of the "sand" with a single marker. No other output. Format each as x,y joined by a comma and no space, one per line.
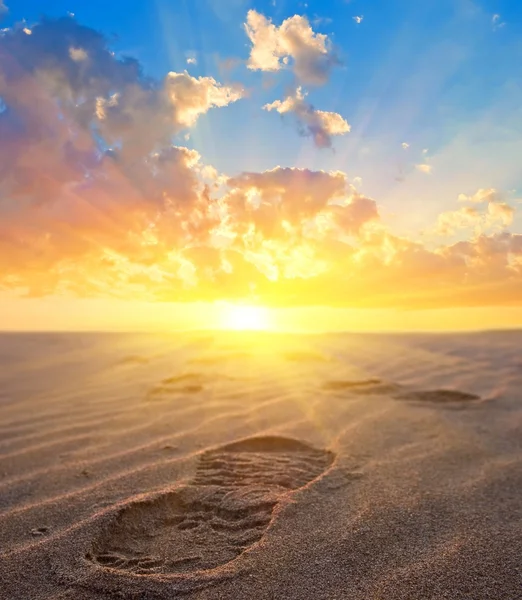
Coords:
261,466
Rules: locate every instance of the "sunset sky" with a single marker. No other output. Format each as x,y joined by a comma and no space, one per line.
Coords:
346,164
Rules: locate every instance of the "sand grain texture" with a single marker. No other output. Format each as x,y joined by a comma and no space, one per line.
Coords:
260,466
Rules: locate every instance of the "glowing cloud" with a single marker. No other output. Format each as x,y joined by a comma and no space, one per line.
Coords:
194,97
319,124
272,47
496,214
482,195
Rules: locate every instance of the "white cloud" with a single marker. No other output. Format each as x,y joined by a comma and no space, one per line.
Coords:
193,96
313,57
358,19
405,145
3,7
322,20
191,58
320,124
424,168
496,22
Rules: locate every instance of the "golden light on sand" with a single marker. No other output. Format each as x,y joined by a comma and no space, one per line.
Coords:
246,318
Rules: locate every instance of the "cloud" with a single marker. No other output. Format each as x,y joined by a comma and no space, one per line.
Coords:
87,165
496,22
273,47
98,199
191,58
78,54
405,145
65,63
142,117
285,219
194,97
293,192
494,214
3,7
481,195
358,19
500,211
319,124
424,168
322,20
449,222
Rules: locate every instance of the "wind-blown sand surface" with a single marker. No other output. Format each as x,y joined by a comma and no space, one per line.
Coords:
266,466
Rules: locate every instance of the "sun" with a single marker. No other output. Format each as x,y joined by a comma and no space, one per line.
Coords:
246,318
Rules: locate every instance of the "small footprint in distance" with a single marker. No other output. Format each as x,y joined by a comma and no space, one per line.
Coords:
186,383
440,396
378,387
366,387
225,511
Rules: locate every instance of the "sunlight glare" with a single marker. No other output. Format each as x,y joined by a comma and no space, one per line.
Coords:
246,318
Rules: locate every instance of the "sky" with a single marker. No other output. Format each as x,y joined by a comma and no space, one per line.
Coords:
348,164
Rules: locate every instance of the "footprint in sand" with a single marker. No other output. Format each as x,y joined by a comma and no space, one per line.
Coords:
187,383
377,387
366,387
225,511
440,396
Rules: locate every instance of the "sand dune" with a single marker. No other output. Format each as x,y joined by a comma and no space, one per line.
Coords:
261,466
